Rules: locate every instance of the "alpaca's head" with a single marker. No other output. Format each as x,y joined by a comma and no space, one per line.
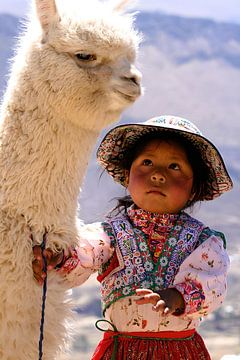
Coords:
82,59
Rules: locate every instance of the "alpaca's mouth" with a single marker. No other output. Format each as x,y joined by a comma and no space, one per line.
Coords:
128,97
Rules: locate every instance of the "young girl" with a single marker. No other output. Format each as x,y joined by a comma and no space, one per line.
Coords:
160,270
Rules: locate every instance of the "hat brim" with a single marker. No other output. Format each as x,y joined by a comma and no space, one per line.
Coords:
123,137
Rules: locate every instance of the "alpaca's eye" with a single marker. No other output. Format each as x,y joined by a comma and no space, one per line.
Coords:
85,57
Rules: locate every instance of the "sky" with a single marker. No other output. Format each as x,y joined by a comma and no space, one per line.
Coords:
220,10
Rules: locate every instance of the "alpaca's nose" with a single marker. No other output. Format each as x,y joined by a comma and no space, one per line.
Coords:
158,177
128,81
134,79
133,75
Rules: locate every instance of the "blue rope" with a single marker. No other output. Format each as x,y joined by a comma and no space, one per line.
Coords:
44,293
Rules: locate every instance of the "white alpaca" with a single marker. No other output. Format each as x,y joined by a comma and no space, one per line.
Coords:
74,74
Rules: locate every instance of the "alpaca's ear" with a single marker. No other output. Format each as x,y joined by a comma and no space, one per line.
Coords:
47,13
121,6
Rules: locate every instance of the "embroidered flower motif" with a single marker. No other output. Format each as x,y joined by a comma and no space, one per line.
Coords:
168,278
129,271
177,227
143,246
148,266
140,270
111,297
164,261
137,260
159,281
126,290
127,263
118,283
146,284
172,241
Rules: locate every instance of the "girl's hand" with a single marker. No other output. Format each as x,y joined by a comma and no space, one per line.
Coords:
168,301
53,260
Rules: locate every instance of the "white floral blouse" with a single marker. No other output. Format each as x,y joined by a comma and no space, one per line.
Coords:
200,278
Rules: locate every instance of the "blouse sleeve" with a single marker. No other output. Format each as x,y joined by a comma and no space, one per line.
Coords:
94,249
201,278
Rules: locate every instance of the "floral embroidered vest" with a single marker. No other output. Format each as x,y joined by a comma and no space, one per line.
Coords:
132,267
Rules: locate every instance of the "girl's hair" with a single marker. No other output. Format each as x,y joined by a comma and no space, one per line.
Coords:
200,170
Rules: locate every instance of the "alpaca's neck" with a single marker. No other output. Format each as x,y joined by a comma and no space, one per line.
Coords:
42,162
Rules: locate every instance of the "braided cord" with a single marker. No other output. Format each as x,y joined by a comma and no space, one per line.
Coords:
44,295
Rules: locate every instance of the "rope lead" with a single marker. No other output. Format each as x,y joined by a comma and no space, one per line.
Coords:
44,293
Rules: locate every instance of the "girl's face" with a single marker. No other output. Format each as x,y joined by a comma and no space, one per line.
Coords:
161,178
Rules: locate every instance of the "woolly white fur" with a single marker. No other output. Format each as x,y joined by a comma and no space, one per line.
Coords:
53,110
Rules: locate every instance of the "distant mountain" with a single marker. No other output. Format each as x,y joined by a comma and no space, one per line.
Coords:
202,39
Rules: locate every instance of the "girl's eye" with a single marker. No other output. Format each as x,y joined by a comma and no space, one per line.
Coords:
174,166
147,162
86,57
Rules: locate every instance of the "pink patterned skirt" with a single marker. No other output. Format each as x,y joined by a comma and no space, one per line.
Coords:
164,345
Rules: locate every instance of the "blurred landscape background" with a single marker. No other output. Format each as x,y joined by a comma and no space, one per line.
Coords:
191,68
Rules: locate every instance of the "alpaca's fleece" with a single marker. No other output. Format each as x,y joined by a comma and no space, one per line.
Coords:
73,74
